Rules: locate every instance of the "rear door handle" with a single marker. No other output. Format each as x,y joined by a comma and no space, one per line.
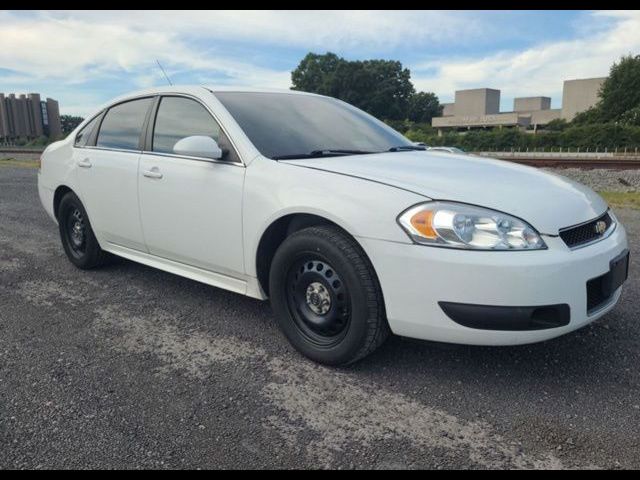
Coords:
85,163
153,173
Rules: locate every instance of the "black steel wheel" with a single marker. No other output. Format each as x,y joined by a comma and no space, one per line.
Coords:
318,300
78,239
75,230
326,296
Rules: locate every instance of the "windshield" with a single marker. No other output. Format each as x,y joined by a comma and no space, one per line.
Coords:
282,125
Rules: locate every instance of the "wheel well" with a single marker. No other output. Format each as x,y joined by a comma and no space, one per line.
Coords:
57,197
275,235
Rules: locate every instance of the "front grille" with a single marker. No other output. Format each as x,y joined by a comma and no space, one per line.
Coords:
595,293
586,232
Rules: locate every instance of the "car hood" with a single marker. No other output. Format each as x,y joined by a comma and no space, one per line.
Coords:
546,201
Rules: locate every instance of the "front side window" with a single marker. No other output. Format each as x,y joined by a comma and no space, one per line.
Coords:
178,118
286,125
84,135
123,124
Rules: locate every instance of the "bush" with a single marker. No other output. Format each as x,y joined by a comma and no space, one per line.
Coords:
601,136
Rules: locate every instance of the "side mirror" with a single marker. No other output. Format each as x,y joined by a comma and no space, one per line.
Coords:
198,146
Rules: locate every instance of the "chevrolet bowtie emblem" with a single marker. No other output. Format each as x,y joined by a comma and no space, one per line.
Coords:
600,227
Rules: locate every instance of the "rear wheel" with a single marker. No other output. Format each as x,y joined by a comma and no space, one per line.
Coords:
326,296
77,237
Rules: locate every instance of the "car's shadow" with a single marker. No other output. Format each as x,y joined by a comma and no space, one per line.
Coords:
598,352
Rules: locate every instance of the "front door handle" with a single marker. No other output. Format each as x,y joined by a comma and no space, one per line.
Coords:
85,163
153,173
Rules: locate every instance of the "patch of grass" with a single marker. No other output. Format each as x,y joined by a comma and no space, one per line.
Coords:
12,162
622,199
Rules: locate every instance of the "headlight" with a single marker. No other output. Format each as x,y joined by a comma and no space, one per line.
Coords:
456,225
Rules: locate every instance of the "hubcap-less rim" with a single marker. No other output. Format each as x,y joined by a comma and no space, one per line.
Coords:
76,231
318,301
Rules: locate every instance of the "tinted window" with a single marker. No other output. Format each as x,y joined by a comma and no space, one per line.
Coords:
84,135
179,118
122,125
281,124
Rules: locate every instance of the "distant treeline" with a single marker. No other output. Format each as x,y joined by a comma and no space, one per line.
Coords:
589,136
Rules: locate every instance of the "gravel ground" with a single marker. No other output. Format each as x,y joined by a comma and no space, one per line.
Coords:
130,367
601,179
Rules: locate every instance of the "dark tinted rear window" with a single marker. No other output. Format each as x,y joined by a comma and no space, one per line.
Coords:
122,125
281,124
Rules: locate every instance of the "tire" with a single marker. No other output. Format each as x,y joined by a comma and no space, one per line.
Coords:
79,242
326,296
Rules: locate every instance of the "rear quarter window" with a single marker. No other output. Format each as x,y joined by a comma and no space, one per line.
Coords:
84,135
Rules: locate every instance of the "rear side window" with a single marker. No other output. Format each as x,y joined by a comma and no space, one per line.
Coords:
84,135
122,125
178,118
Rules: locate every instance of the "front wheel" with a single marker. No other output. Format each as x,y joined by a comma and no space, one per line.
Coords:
326,296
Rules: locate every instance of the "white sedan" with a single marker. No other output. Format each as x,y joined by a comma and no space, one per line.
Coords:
350,230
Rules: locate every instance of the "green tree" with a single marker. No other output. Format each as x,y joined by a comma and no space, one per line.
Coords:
381,87
423,106
557,125
69,122
592,115
316,73
621,90
631,117
619,93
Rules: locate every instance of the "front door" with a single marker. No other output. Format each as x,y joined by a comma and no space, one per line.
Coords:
191,208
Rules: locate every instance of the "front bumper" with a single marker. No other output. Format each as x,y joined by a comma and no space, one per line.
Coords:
415,278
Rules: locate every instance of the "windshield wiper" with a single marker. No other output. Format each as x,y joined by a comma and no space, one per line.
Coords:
401,148
321,153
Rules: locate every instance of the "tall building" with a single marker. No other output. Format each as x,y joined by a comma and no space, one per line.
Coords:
28,117
479,108
579,95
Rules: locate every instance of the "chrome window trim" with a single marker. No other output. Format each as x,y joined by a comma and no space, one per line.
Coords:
197,159
110,149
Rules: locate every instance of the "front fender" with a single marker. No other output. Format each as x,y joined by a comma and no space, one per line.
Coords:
361,207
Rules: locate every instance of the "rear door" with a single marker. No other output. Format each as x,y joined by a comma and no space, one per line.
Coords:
108,173
191,207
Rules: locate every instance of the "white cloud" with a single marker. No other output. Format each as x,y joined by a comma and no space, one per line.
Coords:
304,29
73,50
539,70
77,48
72,46
64,51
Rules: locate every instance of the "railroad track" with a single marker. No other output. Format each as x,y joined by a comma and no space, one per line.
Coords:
584,163
34,151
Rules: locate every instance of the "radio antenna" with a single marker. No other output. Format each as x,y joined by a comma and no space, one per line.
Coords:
164,73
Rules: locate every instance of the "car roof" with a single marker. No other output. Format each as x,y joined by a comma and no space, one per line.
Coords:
211,88
198,89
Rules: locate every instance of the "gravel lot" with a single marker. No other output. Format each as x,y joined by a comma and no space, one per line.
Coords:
602,179
134,368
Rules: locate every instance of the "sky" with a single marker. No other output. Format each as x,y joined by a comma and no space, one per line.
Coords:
83,59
